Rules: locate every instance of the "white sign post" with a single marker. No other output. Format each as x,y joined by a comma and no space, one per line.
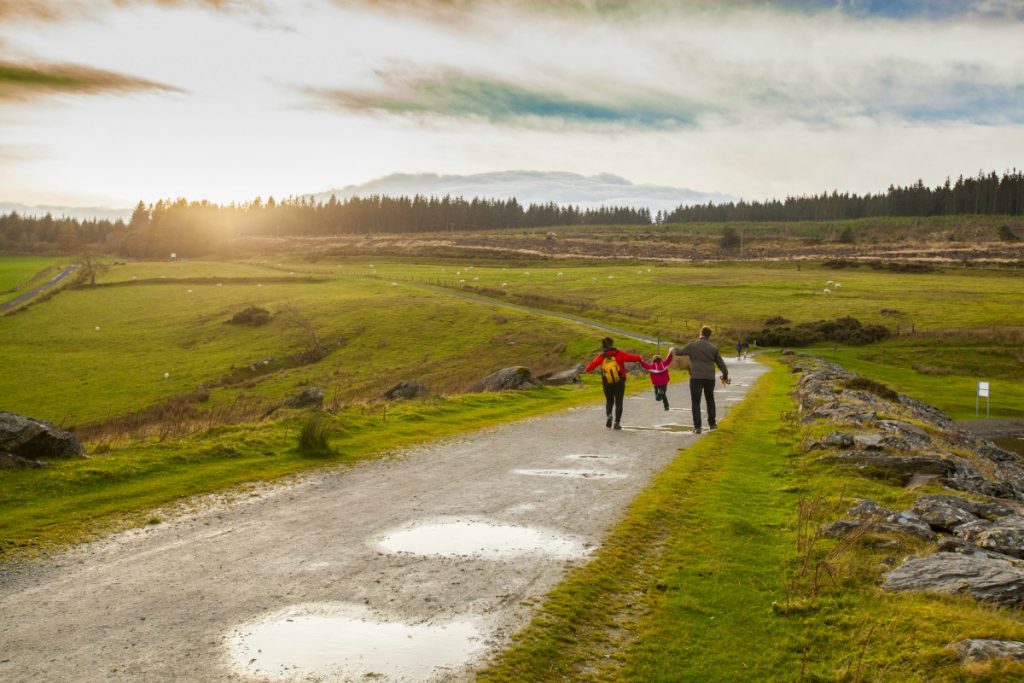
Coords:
981,393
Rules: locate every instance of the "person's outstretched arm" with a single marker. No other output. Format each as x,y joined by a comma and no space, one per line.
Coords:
720,362
594,363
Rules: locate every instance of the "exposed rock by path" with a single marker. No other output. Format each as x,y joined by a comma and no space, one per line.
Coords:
877,518
984,578
980,649
1004,536
912,439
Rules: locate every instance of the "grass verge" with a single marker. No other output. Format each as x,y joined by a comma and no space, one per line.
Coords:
702,580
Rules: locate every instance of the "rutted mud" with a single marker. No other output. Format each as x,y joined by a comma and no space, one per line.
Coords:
340,642
480,538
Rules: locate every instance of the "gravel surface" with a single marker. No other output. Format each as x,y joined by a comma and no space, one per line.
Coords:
277,585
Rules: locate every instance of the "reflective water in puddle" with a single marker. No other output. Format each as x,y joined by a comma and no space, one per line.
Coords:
589,456
572,474
489,540
346,643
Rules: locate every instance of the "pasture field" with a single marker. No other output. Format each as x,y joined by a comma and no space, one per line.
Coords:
107,349
737,298
954,326
18,271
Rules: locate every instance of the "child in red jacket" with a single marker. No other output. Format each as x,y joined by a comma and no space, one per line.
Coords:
659,376
613,377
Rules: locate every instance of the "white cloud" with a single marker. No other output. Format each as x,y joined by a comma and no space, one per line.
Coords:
768,102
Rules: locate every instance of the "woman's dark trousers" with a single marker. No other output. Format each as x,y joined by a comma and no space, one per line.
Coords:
613,397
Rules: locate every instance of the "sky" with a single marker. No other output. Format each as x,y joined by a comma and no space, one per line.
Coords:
108,102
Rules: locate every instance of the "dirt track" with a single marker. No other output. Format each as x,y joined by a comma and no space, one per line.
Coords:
277,586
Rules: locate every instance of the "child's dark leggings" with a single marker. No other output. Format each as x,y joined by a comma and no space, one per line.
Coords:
613,396
660,394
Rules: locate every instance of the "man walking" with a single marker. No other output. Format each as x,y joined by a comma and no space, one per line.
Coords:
704,356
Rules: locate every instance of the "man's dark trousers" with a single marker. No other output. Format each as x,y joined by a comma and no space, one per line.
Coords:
707,387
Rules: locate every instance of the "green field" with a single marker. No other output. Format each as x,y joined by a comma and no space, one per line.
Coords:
16,272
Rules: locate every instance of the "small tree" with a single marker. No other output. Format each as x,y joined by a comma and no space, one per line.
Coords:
307,333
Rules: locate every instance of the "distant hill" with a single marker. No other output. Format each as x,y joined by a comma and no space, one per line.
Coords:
534,187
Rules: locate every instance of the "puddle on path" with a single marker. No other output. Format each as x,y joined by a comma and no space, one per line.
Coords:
571,474
590,456
478,538
347,643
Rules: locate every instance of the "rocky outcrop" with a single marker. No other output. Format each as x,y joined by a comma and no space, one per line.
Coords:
406,389
984,578
874,517
313,397
883,435
981,649
912,440
517,377
36,440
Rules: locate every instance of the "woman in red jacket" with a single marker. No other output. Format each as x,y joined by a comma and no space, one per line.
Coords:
613,377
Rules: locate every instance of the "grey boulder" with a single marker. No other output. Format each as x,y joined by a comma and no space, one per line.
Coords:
407,388
312,397
33,439
570,376
516,377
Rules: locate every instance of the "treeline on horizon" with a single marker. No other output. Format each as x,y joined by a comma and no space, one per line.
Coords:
195,228
198,228
984,195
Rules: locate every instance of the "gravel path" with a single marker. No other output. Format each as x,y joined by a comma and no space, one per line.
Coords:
409,568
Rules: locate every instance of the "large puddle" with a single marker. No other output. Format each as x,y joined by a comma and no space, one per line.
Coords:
347,643
480,538
572,474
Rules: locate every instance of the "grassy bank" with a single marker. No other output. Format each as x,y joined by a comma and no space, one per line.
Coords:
704,579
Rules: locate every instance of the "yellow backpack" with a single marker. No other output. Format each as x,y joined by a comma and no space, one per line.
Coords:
610,371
